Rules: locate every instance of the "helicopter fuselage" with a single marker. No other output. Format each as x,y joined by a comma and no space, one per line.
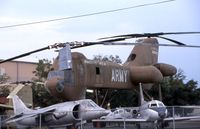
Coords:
72,83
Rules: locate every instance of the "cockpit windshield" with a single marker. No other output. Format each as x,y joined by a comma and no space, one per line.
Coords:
156,104
153,105
160,104
91,104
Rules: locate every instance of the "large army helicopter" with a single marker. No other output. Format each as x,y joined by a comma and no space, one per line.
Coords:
72,73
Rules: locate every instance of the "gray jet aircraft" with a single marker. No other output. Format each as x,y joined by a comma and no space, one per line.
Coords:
58,115
154,112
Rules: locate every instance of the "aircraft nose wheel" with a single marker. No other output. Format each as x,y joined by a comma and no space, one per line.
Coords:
160,125
138,126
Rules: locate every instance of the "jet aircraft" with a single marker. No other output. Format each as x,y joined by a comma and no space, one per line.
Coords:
153,112
58,115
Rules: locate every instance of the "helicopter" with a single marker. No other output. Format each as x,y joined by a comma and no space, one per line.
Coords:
72,73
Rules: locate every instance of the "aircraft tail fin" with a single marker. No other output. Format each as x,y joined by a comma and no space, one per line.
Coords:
144,53
19,106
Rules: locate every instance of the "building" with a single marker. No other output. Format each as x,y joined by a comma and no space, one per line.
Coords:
18,70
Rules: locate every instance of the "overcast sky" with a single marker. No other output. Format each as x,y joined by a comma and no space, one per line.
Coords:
178,15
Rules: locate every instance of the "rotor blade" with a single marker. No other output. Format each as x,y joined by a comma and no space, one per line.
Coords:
167,45
129,43
167,33
56,45
127,36
174,41
171,45
25,54
122,36
84,44
171,33
114,40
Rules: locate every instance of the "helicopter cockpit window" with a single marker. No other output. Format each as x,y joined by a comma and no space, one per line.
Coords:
131,57
91,104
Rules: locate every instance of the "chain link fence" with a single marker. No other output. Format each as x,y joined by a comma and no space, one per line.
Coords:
44,121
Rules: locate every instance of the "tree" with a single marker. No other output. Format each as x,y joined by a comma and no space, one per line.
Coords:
42,70
4,91
177,92
41,97
110,58
124,98
4,78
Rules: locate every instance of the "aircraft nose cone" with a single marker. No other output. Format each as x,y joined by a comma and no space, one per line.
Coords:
162,112
106,112
162,115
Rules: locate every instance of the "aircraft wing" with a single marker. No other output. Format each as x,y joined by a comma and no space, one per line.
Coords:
139,120
35,113
136,120
181,118
6,106
15,91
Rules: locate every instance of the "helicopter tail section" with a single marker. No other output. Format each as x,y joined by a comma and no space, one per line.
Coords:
144,53
143,63
141,60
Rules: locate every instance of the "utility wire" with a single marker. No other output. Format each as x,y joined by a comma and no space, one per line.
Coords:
84,15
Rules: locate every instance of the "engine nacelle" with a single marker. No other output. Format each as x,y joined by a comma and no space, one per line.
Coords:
145,74
69,113
166,69
29,121
135,113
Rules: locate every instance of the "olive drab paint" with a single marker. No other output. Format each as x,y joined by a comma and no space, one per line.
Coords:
141,66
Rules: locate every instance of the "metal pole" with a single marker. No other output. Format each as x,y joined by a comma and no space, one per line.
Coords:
104,98
124,121
0,121
96,96
160,92
124,124
173,118
40,124
81,121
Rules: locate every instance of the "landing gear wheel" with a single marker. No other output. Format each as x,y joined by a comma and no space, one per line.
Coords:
138,126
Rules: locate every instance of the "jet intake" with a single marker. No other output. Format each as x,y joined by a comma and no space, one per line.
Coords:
76,111
70,114
166,69
145,74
